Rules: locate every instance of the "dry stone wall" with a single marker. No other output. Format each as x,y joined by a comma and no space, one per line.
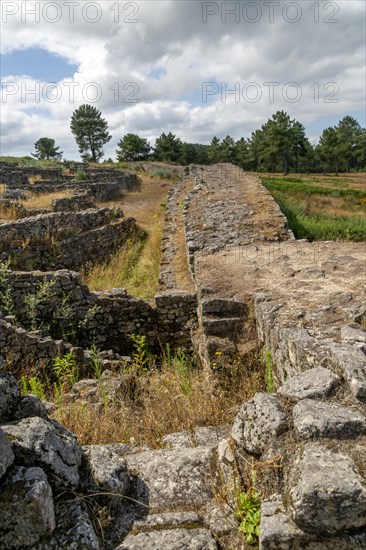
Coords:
70,240
67,309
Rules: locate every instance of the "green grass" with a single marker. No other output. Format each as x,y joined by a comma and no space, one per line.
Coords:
296,185
321,227
316,212
29,162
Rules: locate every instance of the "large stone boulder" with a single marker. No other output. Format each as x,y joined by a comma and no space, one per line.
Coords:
279,532
38,442
27,512
105,471
258,423
351,363
30,405
172,479
320,419
327,493
74,529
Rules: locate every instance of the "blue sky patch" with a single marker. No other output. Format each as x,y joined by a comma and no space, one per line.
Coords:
317,126
157,74
37,63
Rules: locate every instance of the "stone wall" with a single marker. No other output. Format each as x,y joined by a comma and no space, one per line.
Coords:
14,175
76,203
172,224
108,189
65,308
70,240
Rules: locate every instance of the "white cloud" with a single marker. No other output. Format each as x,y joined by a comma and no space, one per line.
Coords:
170,52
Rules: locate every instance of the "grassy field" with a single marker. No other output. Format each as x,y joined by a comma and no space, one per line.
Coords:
322,207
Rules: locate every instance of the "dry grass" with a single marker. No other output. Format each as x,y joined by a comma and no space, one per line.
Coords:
7,214
40,201
332,206
137,266
169,400
145,203
2,188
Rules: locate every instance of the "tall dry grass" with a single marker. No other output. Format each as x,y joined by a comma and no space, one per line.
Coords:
135,267
176,397
44,201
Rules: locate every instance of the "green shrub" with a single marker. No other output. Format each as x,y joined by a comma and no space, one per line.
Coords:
79,175
269,379
6,300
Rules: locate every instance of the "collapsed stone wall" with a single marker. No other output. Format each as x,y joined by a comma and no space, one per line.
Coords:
108,189
84,197
47,479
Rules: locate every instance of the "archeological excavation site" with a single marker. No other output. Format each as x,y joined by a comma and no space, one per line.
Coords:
279,464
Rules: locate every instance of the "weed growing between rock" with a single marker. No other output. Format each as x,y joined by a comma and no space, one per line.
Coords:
6,300
269,378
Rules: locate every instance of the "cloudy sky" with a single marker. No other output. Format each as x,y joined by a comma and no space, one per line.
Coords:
194,68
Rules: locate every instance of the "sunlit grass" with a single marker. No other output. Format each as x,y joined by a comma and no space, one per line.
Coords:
136,267
175,397
44,201
317,212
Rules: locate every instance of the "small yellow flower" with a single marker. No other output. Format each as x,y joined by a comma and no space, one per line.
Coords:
218,353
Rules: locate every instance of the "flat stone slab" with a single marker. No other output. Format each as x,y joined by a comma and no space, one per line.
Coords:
327,495
171,479
201,437
176,539
168,520
318,419
258,422
351,362
317,382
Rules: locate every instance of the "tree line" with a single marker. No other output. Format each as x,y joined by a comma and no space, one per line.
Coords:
280,145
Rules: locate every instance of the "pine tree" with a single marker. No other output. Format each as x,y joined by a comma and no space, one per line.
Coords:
90,131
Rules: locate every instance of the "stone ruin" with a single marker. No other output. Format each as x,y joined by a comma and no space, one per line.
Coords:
306,440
